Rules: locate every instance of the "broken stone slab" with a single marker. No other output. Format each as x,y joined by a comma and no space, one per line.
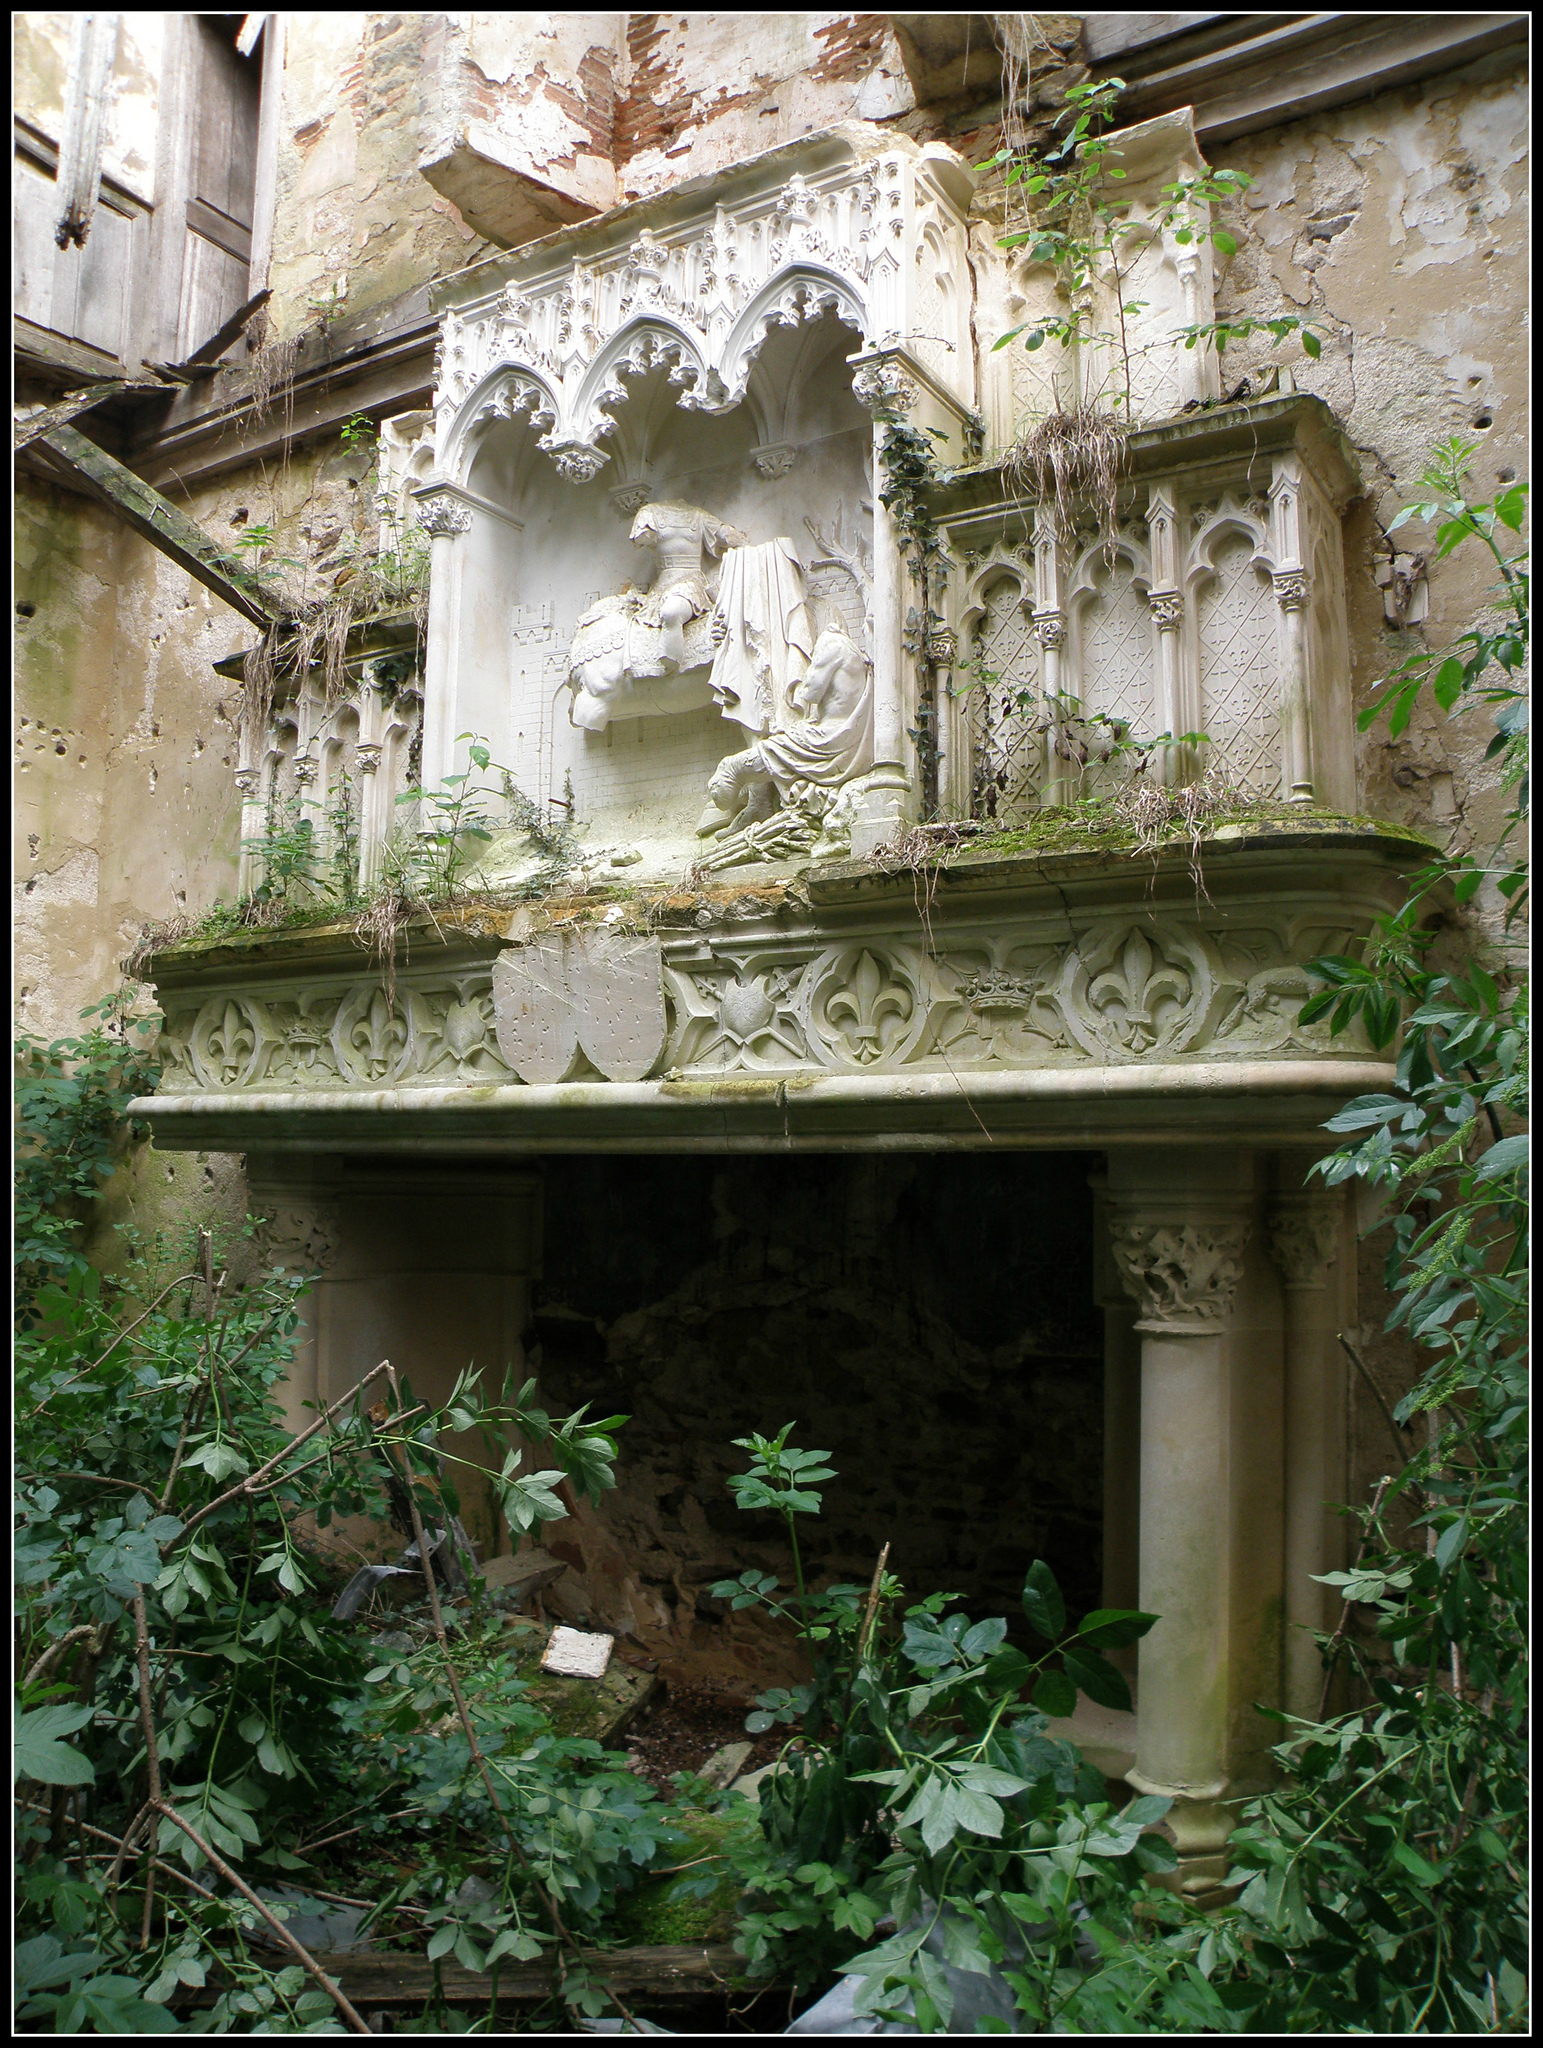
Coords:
519,1579
724,1765
574,1653
600,1711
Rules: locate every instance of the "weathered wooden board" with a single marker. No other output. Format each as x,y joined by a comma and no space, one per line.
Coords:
633,1973
160,522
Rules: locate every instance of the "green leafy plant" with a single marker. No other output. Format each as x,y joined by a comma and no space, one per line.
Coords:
920,1737
453,826
1078,227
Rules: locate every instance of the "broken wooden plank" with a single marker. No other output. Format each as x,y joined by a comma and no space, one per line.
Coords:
40,352
160,522
36,424
633,1973
205,359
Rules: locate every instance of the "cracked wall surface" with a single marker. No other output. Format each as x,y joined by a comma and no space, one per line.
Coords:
1399,225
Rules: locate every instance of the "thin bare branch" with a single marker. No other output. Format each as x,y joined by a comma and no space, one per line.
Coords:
255,1482
302,1955
86,1373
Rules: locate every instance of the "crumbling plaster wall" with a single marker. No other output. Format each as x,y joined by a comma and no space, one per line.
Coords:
123,754
356,225
1399,225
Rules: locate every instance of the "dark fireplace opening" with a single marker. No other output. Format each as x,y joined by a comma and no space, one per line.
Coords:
928,1320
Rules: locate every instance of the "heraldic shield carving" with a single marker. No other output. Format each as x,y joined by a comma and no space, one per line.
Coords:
577,992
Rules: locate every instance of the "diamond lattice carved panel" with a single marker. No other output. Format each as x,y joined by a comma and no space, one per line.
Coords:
1005,738
1239,696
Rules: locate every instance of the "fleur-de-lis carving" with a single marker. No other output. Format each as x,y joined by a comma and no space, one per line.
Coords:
868,1002
375,1037
229,1044
1132,990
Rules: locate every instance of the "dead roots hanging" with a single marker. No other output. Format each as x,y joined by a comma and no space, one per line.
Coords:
1070,459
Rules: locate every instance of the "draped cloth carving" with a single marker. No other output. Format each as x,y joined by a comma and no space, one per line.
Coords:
767,637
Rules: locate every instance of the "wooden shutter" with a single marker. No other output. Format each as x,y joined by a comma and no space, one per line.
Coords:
223,175
82,293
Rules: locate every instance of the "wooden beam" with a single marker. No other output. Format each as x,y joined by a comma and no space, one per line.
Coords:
688,1973
40,352
37,424
205,359
158,521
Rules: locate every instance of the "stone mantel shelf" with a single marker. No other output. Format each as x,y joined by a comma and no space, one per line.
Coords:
1268,1103
1073,998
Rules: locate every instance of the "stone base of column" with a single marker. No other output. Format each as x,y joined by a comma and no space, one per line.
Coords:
884,811
1200,1826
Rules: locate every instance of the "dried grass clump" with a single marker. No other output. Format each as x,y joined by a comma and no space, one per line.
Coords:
922,845
272,370
1071,458
1153,812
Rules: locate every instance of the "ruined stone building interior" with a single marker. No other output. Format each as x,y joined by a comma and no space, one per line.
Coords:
991,1173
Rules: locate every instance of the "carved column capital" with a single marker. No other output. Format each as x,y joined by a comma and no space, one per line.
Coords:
942,649
369,753
305,774
249,782
882,388
439,512
578,463
1290,589
1304,1238
1051,628
1183,1273
299,1235
1167,608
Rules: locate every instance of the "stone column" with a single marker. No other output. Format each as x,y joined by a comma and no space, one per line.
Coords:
1178,1228
886,392
1168,614
253,817
1122,1426
1287,484
1291,596
1304,1243
1050,627
942,653
443,517
1166,600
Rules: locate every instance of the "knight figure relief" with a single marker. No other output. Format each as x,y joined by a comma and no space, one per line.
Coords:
799,687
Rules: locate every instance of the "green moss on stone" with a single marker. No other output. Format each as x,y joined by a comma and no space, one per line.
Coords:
661,1913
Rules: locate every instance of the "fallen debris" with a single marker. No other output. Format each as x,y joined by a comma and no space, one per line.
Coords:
572,1653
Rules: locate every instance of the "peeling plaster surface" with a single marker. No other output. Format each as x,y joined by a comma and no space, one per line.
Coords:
1399,223
40,52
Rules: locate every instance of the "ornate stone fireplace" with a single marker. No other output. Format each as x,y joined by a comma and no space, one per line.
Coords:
667,595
